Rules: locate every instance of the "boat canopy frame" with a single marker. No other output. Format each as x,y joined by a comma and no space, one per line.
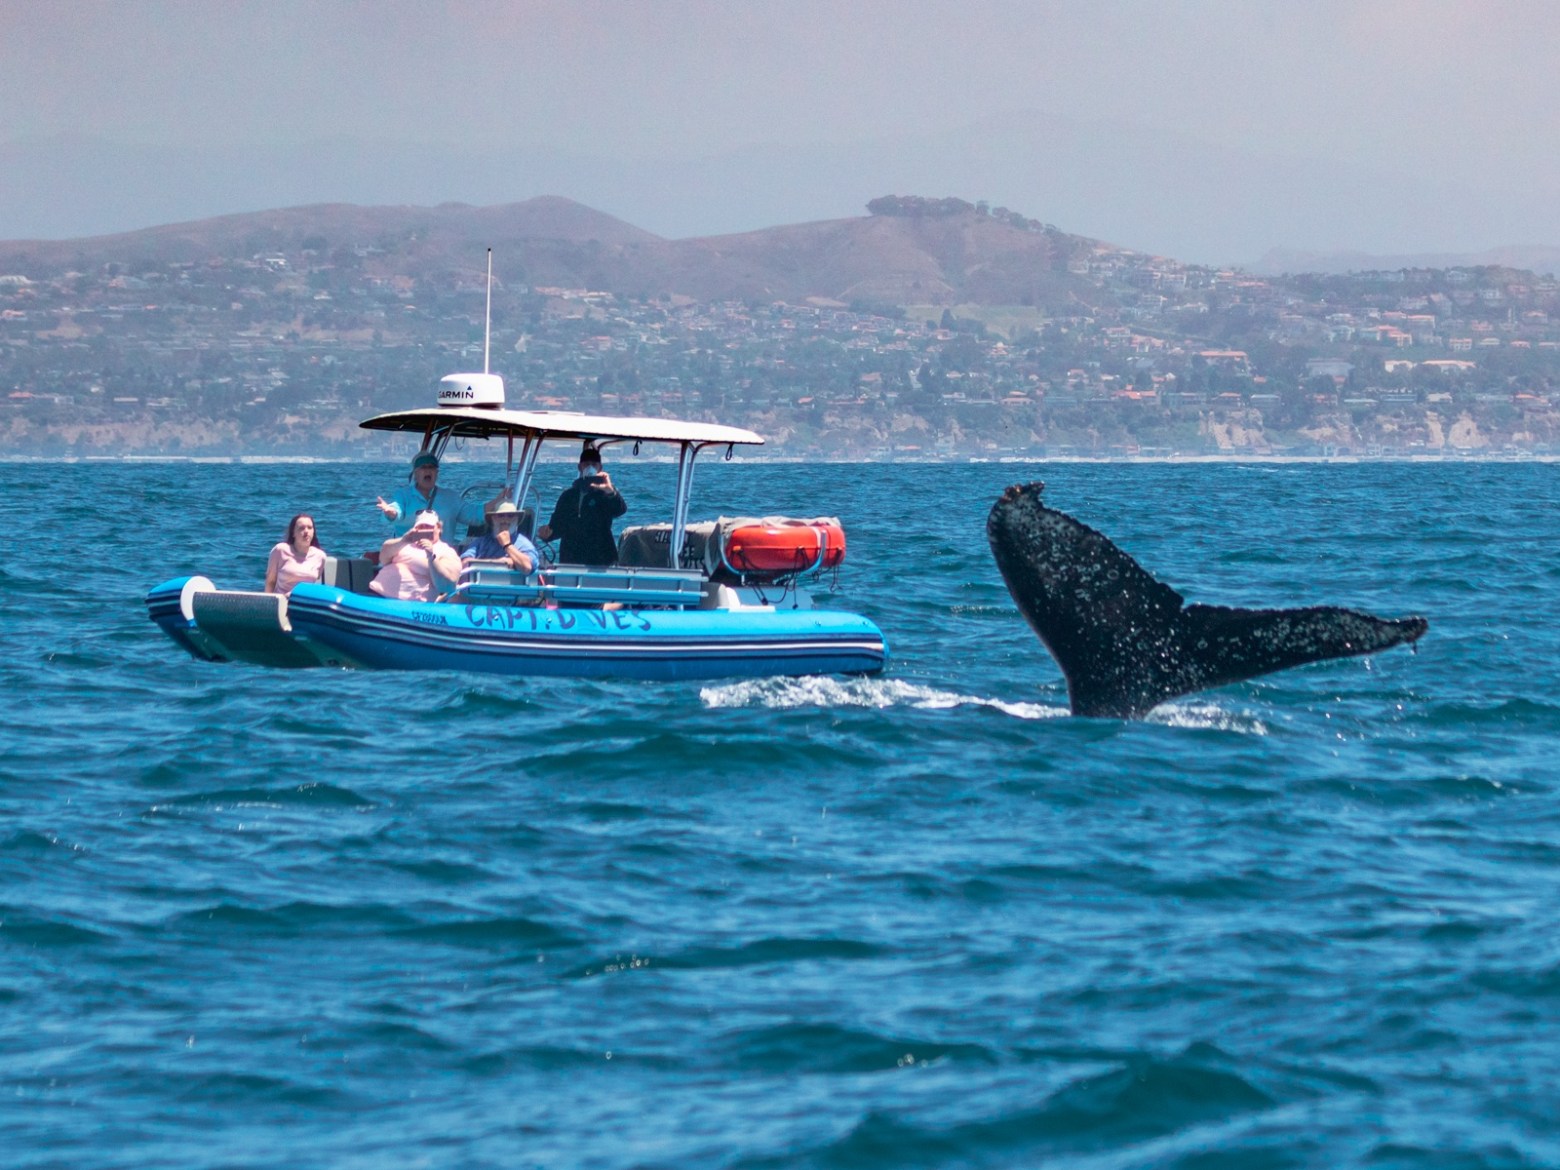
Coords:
534,427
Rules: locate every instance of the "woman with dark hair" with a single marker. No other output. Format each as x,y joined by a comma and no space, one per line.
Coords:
298,558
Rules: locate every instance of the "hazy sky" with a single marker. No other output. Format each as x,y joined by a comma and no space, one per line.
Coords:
1413,92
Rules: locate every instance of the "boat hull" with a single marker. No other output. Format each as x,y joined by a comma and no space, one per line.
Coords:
340,628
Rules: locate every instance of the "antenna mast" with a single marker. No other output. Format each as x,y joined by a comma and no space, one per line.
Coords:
487,329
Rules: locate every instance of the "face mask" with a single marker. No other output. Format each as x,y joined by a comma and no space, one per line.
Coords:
589,469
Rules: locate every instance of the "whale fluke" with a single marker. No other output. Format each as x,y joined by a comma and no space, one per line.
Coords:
1127,642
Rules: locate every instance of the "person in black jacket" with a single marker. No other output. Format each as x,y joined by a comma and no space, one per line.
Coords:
582,519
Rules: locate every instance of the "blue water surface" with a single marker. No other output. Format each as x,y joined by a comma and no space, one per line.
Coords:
256,918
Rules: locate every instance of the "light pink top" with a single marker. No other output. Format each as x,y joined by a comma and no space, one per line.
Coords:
409,575
290,570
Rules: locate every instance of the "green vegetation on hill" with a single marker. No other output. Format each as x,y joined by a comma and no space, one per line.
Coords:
918,206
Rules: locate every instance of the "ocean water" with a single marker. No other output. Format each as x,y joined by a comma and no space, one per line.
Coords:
267,919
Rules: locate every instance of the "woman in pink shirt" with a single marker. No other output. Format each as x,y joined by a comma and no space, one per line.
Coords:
298,558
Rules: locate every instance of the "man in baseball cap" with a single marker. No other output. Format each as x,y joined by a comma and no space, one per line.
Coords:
418,565
423,493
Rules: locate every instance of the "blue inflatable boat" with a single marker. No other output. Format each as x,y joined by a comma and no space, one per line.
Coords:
731,601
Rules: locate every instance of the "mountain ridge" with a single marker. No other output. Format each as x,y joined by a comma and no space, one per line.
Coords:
968,256
961,254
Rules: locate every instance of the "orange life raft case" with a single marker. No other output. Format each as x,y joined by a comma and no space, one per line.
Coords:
776,547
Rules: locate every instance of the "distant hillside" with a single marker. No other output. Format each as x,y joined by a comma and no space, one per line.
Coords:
964,255
931,326
960,258
448,233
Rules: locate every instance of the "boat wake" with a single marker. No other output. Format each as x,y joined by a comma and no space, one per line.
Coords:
820,691
884,693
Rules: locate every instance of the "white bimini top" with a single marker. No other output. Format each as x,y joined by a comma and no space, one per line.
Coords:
481,422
